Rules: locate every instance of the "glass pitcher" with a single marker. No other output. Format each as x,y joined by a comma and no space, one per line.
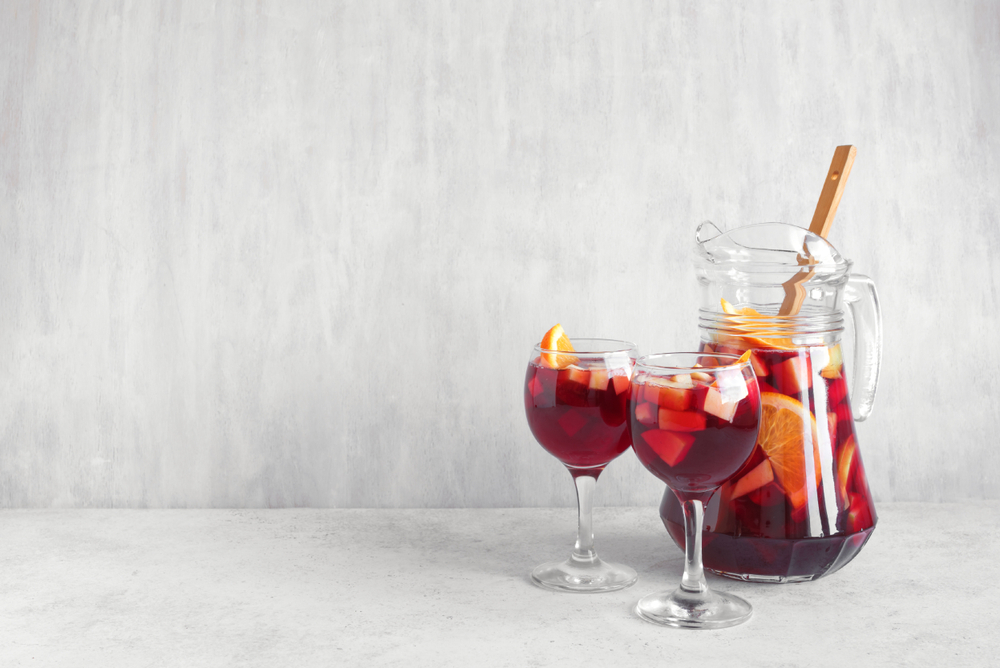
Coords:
800,508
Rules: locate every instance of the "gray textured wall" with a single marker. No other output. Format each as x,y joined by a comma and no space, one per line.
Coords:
296,253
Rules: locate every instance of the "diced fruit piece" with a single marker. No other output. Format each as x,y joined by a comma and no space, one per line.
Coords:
572,422
669,446
669,393
836,363
676,399
574,374
831,421
759,367
785,427
792,376
646,413
701,377
681,420
621,383
556,339
847,454
651,392
759,476
535,387
682,380
731,384
859,516
717,404
724,397
598,379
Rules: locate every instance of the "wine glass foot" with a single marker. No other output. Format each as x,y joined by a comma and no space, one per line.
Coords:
585,577
694,610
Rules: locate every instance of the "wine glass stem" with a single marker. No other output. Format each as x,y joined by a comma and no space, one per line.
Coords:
694,574
584,548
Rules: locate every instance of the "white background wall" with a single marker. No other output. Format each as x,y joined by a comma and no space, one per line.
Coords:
297,253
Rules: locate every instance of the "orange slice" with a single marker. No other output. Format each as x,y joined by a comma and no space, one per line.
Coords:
835,364
751,332
729,309
785,424
556,339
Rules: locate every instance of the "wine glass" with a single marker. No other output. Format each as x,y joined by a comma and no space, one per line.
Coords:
694,419
577,407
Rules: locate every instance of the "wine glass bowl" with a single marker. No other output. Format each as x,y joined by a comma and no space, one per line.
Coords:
694,420
576,404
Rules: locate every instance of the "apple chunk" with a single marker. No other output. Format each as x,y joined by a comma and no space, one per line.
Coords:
598,379
621,382
646,413
669,446
575,374
669,393
759,476
716,404
792,376
834,364
722,399
681,420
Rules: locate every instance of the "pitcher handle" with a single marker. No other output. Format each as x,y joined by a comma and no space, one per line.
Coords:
862,300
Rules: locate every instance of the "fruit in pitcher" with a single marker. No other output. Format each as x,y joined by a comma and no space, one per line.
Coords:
753,329
792,376
763,520
783,425
835,362
844,470
758,476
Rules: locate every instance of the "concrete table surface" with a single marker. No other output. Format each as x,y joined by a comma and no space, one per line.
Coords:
312,587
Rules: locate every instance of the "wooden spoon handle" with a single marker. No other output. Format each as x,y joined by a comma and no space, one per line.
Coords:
826,209
833,190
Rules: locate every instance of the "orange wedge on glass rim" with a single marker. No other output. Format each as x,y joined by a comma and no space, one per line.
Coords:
556,339
785,424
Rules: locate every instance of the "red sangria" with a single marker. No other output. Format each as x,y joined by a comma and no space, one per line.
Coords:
578,413
799,508
694,420
575,399
694,430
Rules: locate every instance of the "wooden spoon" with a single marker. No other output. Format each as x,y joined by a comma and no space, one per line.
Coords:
826,209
